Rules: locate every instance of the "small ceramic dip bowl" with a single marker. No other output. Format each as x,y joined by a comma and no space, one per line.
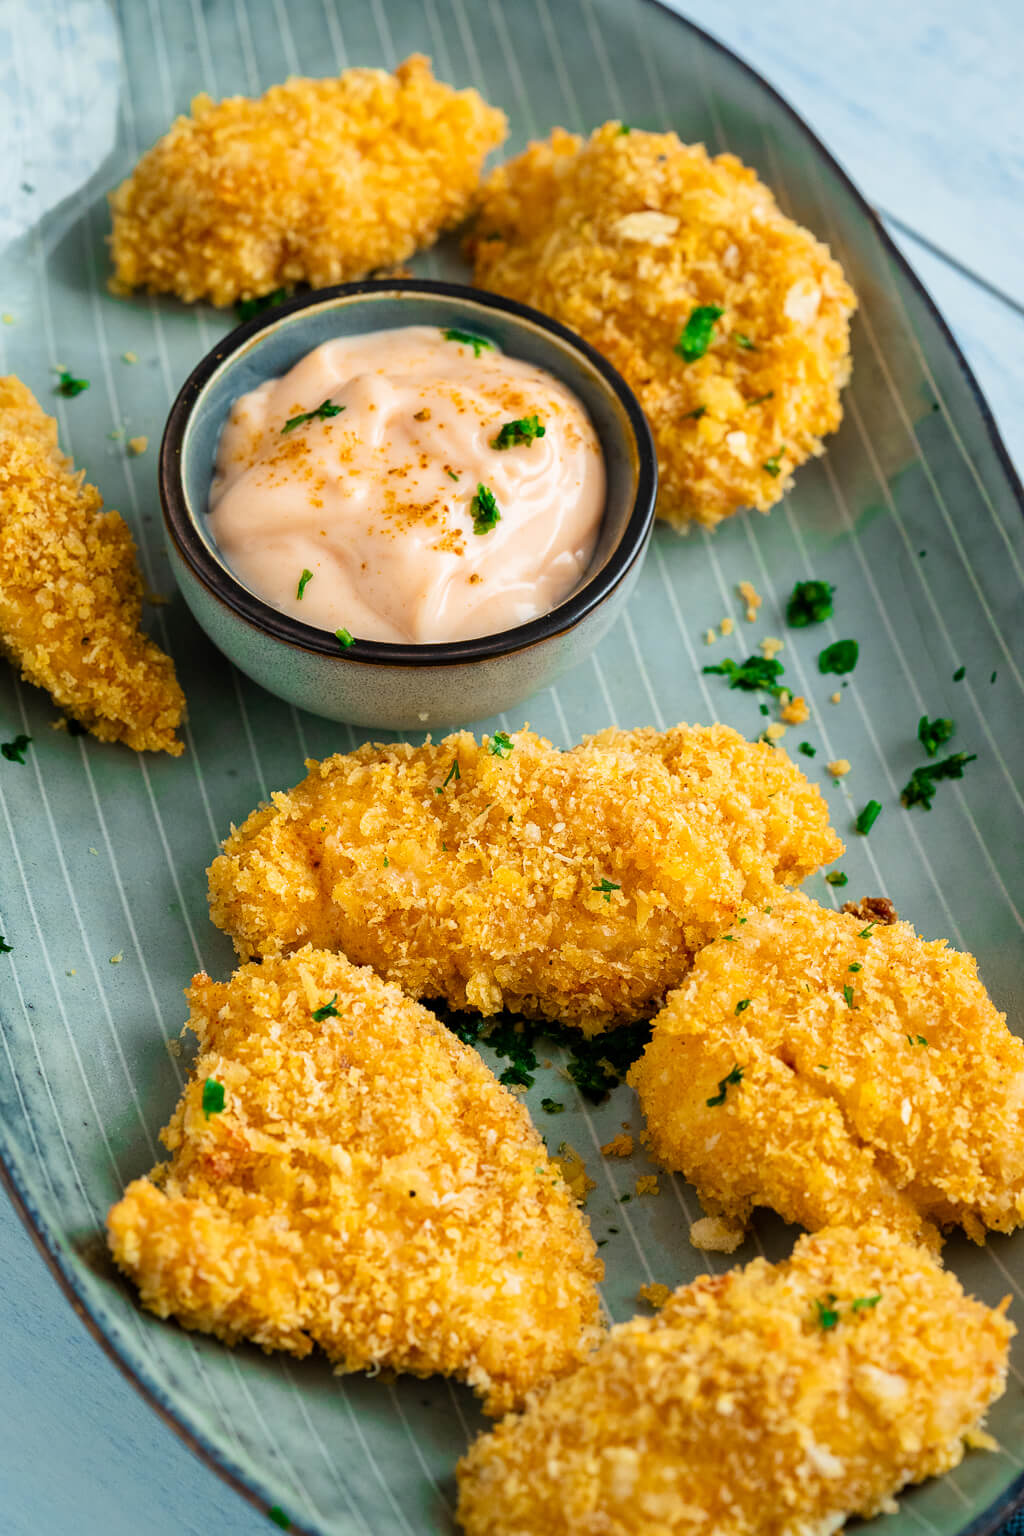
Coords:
369,682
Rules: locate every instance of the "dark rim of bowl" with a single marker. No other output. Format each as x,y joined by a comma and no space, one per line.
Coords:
218,579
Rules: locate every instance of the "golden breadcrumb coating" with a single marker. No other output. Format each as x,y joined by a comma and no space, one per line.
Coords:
571,885
317,181
878,1080
71,592
774,1400
622,237
368,1187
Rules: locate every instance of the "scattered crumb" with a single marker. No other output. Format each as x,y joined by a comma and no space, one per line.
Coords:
872,909
424,714
726,626
95,851
647,1184
840,768
619,1146
71,973
8,319
752,597
775,731
771,645
128,357
574,1172
116,959
980,1440
116,434
796,711
174,1047
834,698
137,446
654,1294
713,1235
710,637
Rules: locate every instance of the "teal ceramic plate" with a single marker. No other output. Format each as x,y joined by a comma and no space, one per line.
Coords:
914,514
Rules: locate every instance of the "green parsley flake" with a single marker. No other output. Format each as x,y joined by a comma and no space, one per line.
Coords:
453,773
484,510
304,580
959,674
837,877
696,334
278,1516
623,128
760,399
848,995
322,413
327,1010
696,415
551,1106
757,672
867,817
213,1097
519,433
920,787
14,751
451,474
917,1040
606,887
866,933
810,602
501,744
744,341
826,1315
864,1303
742,1005
68,386
807,750
773,466
5,948
248,309
468,339
856,966
839,657
933,734
344,638
724,1083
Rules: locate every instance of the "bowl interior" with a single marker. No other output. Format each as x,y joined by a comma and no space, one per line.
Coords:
278,344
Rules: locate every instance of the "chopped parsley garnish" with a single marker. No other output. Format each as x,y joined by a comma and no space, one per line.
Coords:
606,887
501,744
278,1516
862,1303
848,995
807,750
856,966
764,709
920,787
551,1106
917,1040
724,1083
773,466
453,773
5,948
623,128
304,580
826,1315
866,933
344,638
595,1065
14,751
484,510
744,341
742,1005
839,657
757,672
810,602
247,309
695,415
760,399
696,334
959,674
519,433
68,386
867,817
327,1010
468,339
933,734
451,474
213,1097
837,877
323,411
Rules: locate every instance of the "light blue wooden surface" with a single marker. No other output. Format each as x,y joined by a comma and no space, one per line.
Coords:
920,101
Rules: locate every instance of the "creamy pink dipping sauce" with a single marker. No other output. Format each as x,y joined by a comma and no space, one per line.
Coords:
381,500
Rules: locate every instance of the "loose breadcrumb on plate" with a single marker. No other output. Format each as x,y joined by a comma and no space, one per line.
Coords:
367,1186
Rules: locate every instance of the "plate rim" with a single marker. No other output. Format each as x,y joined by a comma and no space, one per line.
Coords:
46,1241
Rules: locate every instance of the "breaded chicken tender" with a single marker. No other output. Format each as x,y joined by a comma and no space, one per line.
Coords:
838,1072
647,246
71,591
775,1400
317,181
345,1172
567,885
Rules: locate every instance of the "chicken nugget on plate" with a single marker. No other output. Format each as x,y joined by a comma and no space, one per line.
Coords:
729,321
838,1071
317,181
345,1172
71,591
775,1400
505,874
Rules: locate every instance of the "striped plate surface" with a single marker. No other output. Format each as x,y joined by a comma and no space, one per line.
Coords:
914,514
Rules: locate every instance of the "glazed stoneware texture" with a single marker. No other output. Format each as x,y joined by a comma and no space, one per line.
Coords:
913,514
407,687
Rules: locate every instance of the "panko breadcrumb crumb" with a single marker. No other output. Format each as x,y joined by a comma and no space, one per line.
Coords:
867,1076
569,885
367,1187
622,237
71,591
317,181
743,1409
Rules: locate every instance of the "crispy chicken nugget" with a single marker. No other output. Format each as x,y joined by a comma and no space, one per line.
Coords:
730,322
317,181
838,1071
570,885
71,592
367,1186
774,1400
